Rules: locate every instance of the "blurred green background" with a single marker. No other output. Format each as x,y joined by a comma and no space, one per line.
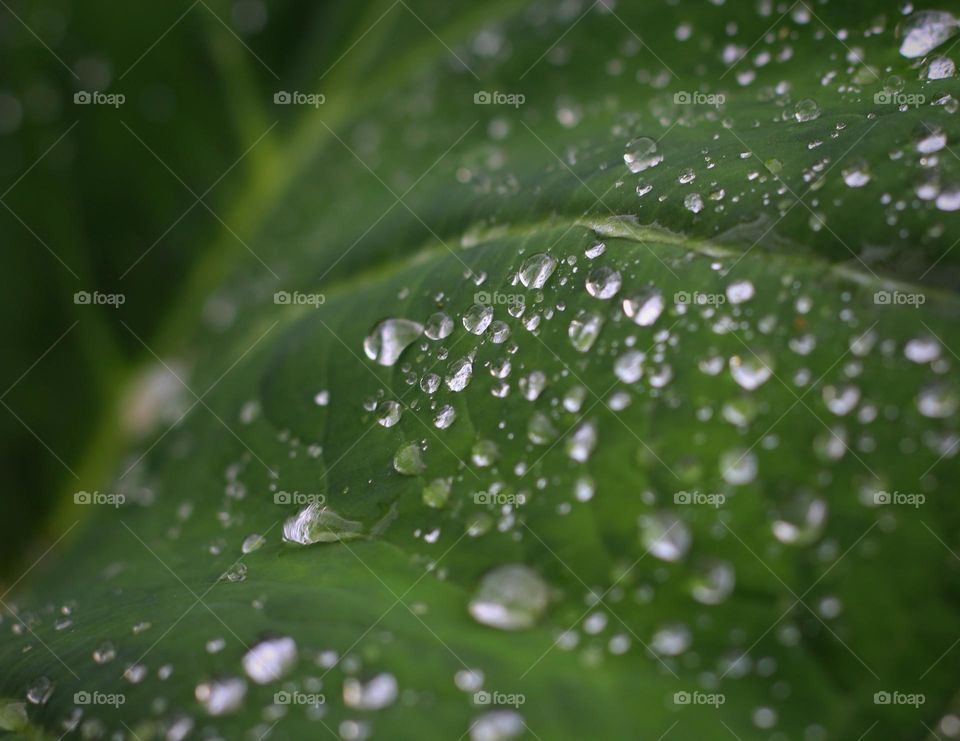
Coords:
87,207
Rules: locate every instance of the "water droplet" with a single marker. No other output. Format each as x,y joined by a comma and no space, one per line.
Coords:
221,696
922,350
536,270
40,690
438,326
801,520
532,385
841,400
430,383
389,339
664,535
270,660
938,401
713,583
252,542
484,453
444,417
740,292
478,318
104,653
461,371
317,523
629,366
603,283
388,414
671,640
806,110
379,692
497,725
511,597
13,716
641,154
924,31
644,307
751,371
436,494
499,332
693,202
738,466
540,430
595,250
584,329
856,175
408,460
581,443
940,68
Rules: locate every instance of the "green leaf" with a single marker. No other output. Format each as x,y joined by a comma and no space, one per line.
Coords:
685,465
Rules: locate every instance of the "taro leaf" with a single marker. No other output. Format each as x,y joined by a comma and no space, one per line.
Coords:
736,496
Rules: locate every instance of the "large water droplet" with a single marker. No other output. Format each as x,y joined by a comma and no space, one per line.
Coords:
478,318
801,520
924,31
317,523
438,326
713,583
641,154
536,270
938,401
497,725
581,443
806,110
389,339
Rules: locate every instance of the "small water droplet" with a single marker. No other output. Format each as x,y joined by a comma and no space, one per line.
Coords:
806,110
438,326
379,692
389,413
408,460
584,329
641,154
664,536
478,318
644,307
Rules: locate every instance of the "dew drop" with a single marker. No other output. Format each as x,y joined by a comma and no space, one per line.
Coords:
641,154
644,307
924,31
317,523
584,329
511,597
221,696
478,318
438,326
536,270
389,339
270,660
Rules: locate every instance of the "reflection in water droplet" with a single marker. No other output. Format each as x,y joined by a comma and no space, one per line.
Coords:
671,640
40,690
806,110
581,443
511,597
436,494
252,543
461,371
